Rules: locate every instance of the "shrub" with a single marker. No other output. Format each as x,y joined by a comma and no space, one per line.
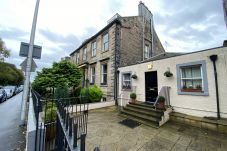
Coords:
161,99
94,94
50,115
133,96
61,93
50,111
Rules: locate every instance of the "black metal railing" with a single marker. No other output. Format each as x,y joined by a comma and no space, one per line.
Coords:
61,123
72,116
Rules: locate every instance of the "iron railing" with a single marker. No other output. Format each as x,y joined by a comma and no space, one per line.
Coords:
61,123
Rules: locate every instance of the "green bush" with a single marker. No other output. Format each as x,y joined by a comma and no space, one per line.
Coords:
133,96
50,115
61,93
50,111
161,99
94,94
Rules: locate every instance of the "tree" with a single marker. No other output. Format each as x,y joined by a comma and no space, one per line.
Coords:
60,75
10,75
4,52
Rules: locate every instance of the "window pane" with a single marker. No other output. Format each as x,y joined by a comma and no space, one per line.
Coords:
186,73
126,83
127,76
105,41
196,72
105,38
187,84
105,78
197,84
105,68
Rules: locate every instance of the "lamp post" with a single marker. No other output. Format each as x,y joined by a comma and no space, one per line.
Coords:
28,67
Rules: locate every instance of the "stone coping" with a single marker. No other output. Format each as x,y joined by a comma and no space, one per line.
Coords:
222,121
202,122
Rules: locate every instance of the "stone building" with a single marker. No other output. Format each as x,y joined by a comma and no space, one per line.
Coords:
123,41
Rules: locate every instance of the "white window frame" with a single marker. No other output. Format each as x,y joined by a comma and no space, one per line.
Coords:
105,42
92,78
93,48
85,54
123,80
102,74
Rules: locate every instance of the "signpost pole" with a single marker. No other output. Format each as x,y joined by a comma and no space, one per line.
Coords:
28,67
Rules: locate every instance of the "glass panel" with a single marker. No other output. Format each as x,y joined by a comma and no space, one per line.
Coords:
187,84
105,38
197,84
105,68
186,73
127,76
105,78
196,72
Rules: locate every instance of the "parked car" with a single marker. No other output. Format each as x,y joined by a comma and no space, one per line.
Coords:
20,88
3,95
9,91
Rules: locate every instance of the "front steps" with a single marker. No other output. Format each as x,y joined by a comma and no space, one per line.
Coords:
146,114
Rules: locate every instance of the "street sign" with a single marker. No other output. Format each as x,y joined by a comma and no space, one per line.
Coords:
24,65
24,50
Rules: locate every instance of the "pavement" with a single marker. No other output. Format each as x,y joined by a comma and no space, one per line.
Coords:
105,132
12,136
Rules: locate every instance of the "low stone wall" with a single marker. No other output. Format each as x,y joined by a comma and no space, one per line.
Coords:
95,105
200,122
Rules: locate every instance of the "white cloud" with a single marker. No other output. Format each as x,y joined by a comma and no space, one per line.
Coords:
185,25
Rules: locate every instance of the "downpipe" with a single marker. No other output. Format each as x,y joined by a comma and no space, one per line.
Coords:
214,58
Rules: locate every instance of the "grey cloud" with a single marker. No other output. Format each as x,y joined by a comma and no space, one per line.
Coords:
13,33
184,13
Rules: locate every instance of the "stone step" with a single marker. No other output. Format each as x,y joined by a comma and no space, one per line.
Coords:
144,112
149,109
151,124
141,116
148,105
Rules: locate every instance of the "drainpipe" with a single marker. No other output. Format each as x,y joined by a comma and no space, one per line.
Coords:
214,58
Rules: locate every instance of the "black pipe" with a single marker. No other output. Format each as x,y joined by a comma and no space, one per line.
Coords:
214,58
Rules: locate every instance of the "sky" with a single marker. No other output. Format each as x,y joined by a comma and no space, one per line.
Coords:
182,25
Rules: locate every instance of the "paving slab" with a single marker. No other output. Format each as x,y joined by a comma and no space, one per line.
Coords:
105,132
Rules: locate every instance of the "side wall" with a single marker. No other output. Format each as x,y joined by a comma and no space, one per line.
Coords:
188,104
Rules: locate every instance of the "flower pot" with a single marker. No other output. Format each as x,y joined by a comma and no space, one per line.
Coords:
133,101
161,105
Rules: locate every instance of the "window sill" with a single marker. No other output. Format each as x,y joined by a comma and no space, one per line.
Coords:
192,90
104,51
103,85
195,93
92,83
126,89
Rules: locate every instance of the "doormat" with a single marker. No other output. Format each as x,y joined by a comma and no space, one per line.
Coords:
130,123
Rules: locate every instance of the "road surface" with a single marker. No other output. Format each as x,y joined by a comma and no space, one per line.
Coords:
12,137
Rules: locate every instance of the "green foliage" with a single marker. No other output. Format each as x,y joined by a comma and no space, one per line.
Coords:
60,75
10,75
50,112
61,93
133,95
161,99
4,52
94,93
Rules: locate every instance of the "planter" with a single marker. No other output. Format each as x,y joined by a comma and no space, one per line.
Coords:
50,132
191,90
161,105
133,101
168,74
